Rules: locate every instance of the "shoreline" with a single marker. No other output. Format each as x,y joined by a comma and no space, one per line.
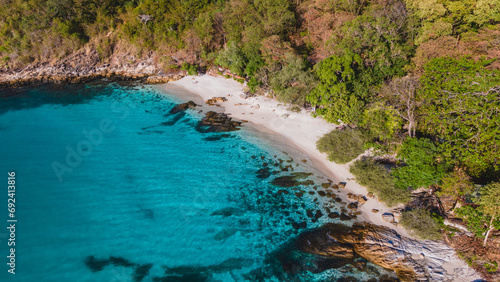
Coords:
298,131
84,65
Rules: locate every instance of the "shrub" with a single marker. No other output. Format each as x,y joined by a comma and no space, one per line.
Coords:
422,168
379,181
191,69
252,84
420,222
342,145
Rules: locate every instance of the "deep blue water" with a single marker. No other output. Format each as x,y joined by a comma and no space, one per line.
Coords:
111,187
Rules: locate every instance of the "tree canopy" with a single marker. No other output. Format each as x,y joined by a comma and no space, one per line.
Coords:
461,107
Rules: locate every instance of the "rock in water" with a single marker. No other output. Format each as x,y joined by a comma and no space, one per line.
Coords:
334,215
182,107
344,217
217,122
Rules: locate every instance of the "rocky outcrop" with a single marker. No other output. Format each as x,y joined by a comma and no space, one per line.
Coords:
217,122
183,107
159,79
412,260
85,65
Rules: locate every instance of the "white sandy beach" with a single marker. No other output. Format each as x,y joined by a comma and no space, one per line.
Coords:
300,130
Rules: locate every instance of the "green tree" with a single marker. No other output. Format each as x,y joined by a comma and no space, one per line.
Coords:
381,121
448,17
232,58
461,108
381,37
294,81
340,94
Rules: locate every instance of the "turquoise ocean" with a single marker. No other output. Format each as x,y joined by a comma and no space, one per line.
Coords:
112,187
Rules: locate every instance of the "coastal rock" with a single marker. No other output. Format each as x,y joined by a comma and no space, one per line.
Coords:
341,184
344,217
182,107
292,180
319,243
325,185
318,215
362,200
397,216
353,206
382,246
389,217
334,215
160,79
85,65
217,122
214,100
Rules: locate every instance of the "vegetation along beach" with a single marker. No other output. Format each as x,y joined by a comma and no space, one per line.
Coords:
251,140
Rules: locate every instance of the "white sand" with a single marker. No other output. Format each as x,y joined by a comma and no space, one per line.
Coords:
299,130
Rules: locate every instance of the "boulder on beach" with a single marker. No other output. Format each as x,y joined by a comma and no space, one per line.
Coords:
389,217
214,100
353,206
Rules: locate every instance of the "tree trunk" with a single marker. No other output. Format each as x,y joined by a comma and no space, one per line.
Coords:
488,233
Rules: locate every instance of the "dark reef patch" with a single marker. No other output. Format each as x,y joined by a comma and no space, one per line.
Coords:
174,119
263,173
96,265
229,211
190,277
218,137
224,234
142,271
118,261
148,213
202,273
292,180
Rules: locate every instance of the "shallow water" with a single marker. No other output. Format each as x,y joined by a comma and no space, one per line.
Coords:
111,187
